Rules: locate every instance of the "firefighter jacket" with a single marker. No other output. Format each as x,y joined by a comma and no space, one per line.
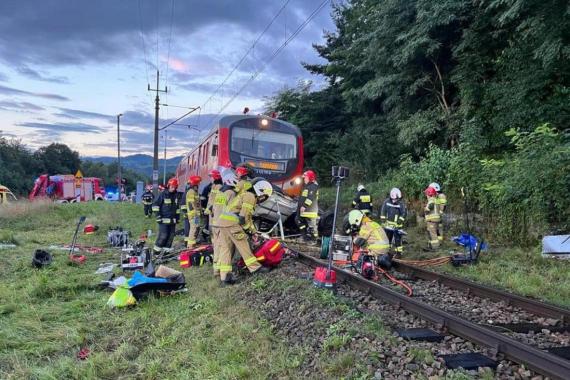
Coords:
435,208
393,214
376,240
147,198
167,207
239,210
192,205
362,201
225,194
310,200
214,191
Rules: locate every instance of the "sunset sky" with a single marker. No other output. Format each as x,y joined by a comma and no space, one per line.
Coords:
67,68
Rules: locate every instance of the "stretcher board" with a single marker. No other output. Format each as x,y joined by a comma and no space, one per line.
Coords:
556,246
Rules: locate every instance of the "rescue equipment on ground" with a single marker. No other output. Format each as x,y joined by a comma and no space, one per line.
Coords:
116,237
135,257
268,252
90,229
326,277
471,249
73,257
41,258
197,256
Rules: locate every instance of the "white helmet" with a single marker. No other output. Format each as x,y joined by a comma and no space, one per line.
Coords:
360,187
262,187
436,186
229,177
395,193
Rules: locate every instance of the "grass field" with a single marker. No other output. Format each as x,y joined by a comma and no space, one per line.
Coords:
48,315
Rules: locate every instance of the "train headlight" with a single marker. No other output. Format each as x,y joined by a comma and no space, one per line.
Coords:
298,181
264,122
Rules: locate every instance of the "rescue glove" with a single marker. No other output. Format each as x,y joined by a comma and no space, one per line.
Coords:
360,242
241,220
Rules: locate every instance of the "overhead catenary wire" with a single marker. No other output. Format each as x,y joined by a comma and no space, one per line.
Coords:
247,52
270,59
168,54
146,61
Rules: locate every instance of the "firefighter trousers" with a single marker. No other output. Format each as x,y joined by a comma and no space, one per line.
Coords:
307,226
165,236
227,239
148,210
194,228
435,234
395,240
214,237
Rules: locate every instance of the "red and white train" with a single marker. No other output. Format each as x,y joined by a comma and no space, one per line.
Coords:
272,147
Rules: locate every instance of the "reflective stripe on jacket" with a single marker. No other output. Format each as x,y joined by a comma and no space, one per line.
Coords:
193,206
393,214
375,236
362,201
166,207
310,200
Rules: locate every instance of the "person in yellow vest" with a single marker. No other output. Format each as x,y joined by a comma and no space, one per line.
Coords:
235,225
193,210
226,194
369,234
215,200
434,210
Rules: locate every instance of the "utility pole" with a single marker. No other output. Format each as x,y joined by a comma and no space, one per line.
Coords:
119,174
155,157
165,142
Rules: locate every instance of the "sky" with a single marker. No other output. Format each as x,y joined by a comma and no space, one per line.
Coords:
68,68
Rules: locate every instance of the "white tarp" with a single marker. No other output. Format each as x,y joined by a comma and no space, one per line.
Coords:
556,246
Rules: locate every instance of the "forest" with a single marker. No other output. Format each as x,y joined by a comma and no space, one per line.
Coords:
471,94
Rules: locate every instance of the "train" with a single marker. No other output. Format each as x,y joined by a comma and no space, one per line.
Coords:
273,148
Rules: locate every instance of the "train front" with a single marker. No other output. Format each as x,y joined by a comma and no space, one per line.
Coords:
272,147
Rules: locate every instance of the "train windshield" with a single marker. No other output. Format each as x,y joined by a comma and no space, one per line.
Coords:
268,145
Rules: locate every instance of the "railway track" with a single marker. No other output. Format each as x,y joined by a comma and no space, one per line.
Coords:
533,358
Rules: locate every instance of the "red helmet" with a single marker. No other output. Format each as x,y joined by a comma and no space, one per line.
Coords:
90,229
242,171
194,180
215,174
161,187
430,192
310,175
173,182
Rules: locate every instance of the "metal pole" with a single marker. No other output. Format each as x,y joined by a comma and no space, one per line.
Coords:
330,260
119,174
155,157
165,142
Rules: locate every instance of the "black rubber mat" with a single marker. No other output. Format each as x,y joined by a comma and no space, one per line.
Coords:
563,352
469,361
426,335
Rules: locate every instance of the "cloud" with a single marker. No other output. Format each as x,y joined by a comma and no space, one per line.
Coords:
11,105
33,74
14,91
69,113
62,127
3,77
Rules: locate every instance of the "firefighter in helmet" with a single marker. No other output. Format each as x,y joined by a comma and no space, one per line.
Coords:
193,209
369,234
434,210
362,200
236,225
147,200
215,189
392,216
308,207
166,207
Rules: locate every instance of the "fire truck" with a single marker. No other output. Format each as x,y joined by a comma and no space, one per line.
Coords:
68,188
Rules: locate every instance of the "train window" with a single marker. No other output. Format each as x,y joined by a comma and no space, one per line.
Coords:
264,144
214,150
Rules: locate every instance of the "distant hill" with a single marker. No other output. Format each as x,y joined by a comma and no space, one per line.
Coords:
141,163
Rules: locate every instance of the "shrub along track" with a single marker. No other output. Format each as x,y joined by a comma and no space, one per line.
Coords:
468,316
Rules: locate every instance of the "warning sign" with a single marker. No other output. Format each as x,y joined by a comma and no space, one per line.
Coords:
78,178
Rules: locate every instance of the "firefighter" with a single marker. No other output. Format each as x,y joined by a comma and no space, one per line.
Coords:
434,210
147,200
166,207
369,234
308,207
235,225
392,216
193,208
362,200
215,193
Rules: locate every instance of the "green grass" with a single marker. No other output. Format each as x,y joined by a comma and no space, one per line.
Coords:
47,315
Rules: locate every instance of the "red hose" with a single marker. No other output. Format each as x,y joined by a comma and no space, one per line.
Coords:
396,281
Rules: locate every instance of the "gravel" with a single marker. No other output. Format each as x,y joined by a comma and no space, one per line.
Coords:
334,337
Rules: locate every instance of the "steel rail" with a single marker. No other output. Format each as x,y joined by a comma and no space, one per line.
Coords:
472,288
540,361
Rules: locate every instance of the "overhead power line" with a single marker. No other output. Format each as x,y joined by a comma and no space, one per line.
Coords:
270,59
247,52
